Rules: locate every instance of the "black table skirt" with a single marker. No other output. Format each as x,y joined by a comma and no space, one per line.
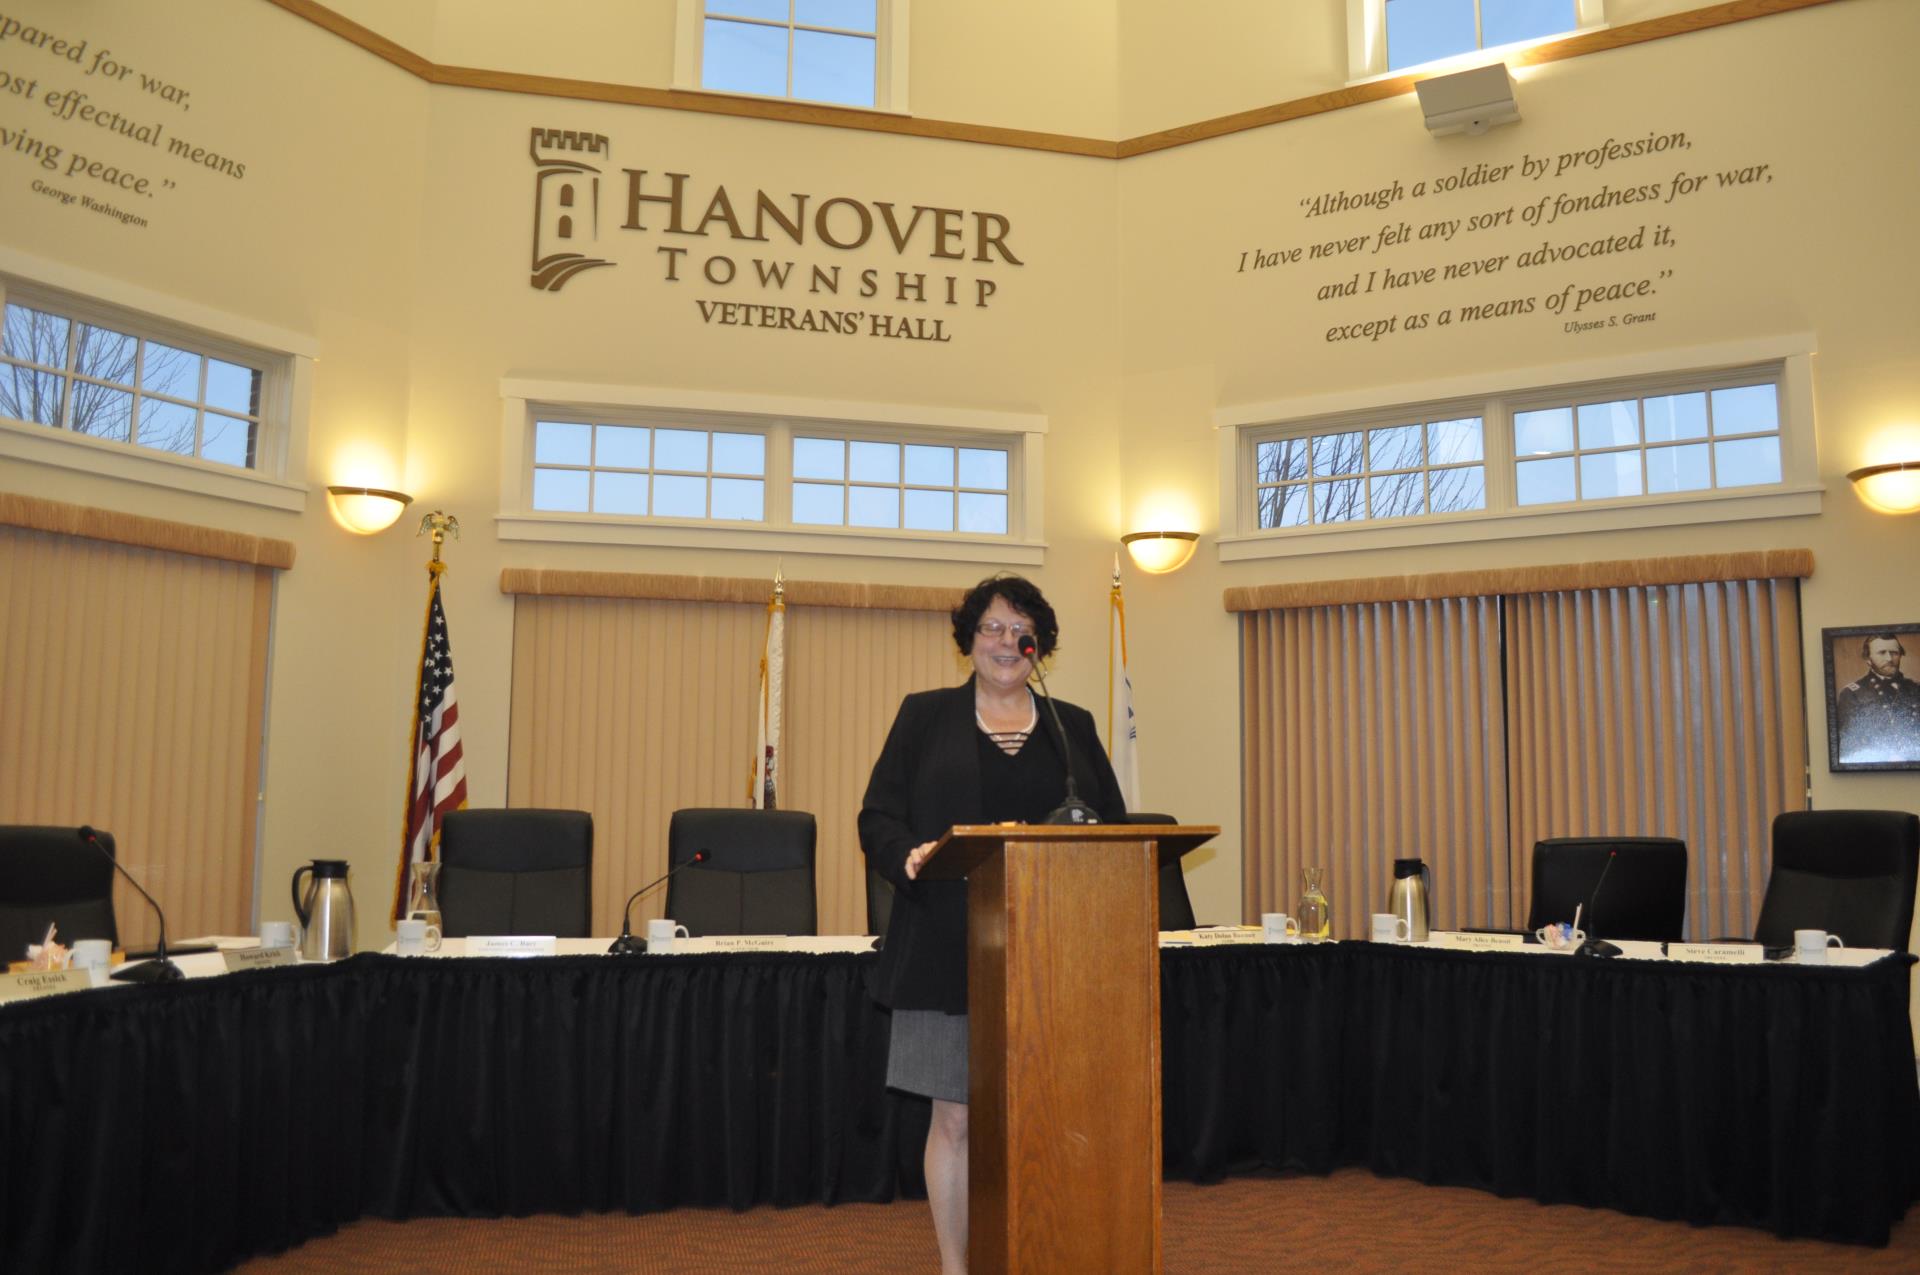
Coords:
185,1128
1779,1097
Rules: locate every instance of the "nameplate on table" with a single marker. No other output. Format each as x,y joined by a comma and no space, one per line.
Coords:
1213,936
732,943
1469,941
255,958
21,987
511,945
1718,953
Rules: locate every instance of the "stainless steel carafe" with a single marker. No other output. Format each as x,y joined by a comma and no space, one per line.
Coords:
326,910
1409,898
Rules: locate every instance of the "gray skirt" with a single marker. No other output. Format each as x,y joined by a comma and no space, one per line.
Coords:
927,1054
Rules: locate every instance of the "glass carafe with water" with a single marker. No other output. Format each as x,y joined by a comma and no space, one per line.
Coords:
1314,913
423,894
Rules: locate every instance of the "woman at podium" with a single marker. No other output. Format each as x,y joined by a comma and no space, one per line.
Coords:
979,753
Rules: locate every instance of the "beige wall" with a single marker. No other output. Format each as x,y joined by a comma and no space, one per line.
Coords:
389,222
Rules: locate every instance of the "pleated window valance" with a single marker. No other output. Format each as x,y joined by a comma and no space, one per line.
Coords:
31,513
1700,568
639,586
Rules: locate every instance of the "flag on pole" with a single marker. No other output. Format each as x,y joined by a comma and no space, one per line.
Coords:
436,770
1122,730
762,788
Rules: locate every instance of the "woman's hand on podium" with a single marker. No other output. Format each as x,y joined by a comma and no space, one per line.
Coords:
916,857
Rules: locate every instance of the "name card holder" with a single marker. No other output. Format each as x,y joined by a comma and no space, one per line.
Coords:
34,983
1463,941
254,958
1718,953
512,945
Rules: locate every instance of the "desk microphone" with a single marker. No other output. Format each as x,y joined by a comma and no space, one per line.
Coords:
1072,810
1595,945
159,969
626,944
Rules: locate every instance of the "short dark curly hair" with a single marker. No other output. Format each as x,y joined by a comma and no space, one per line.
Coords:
1022,595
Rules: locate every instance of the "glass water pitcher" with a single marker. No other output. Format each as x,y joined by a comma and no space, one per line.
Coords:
1314,913
423,894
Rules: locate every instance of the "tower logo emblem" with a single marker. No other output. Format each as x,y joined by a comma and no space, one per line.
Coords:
566,204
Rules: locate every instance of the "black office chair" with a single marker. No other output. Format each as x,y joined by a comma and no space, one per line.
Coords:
1645,895
879,902
1176,906
47,874
758,878
1848,872
516,872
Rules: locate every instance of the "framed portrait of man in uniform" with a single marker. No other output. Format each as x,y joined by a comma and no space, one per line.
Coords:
1873,699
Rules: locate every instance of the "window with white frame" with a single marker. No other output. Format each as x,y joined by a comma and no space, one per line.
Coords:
1612,442
1406,466
1662,449
841,52
875,483
777,474
1390,36
89,370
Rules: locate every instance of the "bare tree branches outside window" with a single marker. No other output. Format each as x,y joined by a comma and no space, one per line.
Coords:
70,374
1394,471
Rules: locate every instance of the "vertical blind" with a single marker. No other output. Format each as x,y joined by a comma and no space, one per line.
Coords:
632,708
132,695
1462,730
1373,732
1671,711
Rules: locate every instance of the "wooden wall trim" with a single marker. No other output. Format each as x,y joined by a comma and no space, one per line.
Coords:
34,514
543,582
1694,20
1763,564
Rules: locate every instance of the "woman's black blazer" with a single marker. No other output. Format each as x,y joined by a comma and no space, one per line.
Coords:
926,781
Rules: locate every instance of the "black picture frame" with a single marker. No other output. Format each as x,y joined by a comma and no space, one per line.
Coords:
1881,730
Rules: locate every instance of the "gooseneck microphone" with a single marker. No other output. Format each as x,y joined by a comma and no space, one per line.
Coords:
1072,810
1595,945
626,944
159,969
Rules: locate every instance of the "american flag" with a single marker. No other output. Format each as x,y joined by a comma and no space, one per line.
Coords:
436,772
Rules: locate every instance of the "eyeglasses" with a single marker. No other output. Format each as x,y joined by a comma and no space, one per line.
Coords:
994,628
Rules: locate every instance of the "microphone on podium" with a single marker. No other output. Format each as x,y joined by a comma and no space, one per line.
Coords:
159,969
1072,810
626,944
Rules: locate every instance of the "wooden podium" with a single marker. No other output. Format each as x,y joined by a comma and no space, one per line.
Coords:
1063,961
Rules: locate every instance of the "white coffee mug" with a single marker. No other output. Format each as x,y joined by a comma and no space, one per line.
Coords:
662,932
1388,928
1813,945
414,937
278,934
91,954
1278,927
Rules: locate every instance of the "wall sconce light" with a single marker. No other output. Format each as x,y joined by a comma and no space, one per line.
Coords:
1892,488
366,510
1468,101
1158,552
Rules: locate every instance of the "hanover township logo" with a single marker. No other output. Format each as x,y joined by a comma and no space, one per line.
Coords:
566,204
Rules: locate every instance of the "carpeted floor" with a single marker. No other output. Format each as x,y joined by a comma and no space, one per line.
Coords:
1351,1221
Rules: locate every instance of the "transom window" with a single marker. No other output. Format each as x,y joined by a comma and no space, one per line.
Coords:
108,379
1676,438
585,467
1656,445
776,474
845,52
857,482
1387,471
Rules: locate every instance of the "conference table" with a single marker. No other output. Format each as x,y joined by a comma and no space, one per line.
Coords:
186,1127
